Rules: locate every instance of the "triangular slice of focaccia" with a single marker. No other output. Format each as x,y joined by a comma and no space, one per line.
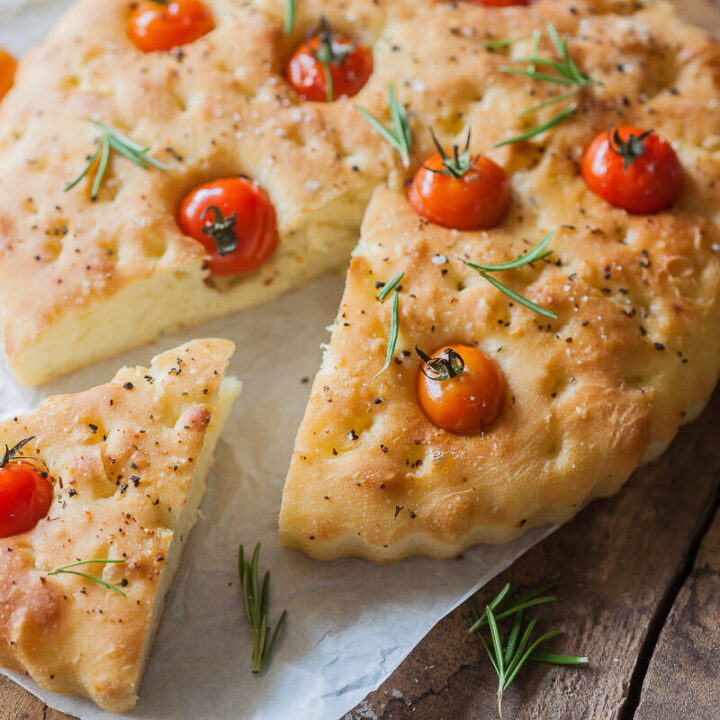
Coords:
634,353
127,461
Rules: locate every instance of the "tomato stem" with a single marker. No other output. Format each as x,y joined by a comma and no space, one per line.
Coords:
445,366
11,453
629,149
222,230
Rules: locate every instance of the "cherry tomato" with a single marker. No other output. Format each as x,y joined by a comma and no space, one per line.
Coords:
25,498
633,169
163,26
463,396
477,200
500,3
235,221
348,64
8,65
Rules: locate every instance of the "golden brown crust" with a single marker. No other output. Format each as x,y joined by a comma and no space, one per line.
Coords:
635,350
217,108
122,457
222,106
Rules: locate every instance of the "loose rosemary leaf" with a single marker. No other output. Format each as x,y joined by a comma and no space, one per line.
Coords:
387,289
556,120
394,329
400,136
289,16
66,569
111,139
537,253
507,659
255,603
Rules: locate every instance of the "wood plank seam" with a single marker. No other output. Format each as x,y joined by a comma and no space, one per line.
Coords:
627,712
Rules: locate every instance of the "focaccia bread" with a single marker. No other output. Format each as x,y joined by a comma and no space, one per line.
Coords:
634,353
84,280
128,462
94,278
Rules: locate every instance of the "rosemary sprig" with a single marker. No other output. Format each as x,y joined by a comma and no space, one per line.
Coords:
394,329
111,139
104,561
567,74
255,603
400,135
505,603
508,658
289,16
537,253
394,318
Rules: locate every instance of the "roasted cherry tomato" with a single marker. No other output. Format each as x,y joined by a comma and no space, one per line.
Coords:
25,493
235,221
163,26
500,3
460,192
633,169
460,389
8,64
329,66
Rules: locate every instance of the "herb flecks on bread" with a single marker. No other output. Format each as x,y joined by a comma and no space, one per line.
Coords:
84,586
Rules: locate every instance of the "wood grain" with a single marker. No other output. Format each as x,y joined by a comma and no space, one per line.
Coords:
16,704
615,564
682,679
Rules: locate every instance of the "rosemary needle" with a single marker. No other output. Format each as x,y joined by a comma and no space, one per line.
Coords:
537,253
112,139
394,329
255,604
394,318
289,16
66,569
400,135
390,286
555,120
504,604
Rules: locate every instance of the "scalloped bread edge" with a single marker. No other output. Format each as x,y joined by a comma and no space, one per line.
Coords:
422,545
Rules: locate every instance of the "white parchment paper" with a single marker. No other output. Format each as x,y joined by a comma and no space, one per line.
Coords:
350,623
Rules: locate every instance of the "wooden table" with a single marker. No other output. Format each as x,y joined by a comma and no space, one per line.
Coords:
639,593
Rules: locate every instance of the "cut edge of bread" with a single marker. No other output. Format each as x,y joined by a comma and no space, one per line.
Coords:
173,298
229,389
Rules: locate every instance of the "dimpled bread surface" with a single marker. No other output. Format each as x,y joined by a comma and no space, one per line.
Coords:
128,461
85,280
634,353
